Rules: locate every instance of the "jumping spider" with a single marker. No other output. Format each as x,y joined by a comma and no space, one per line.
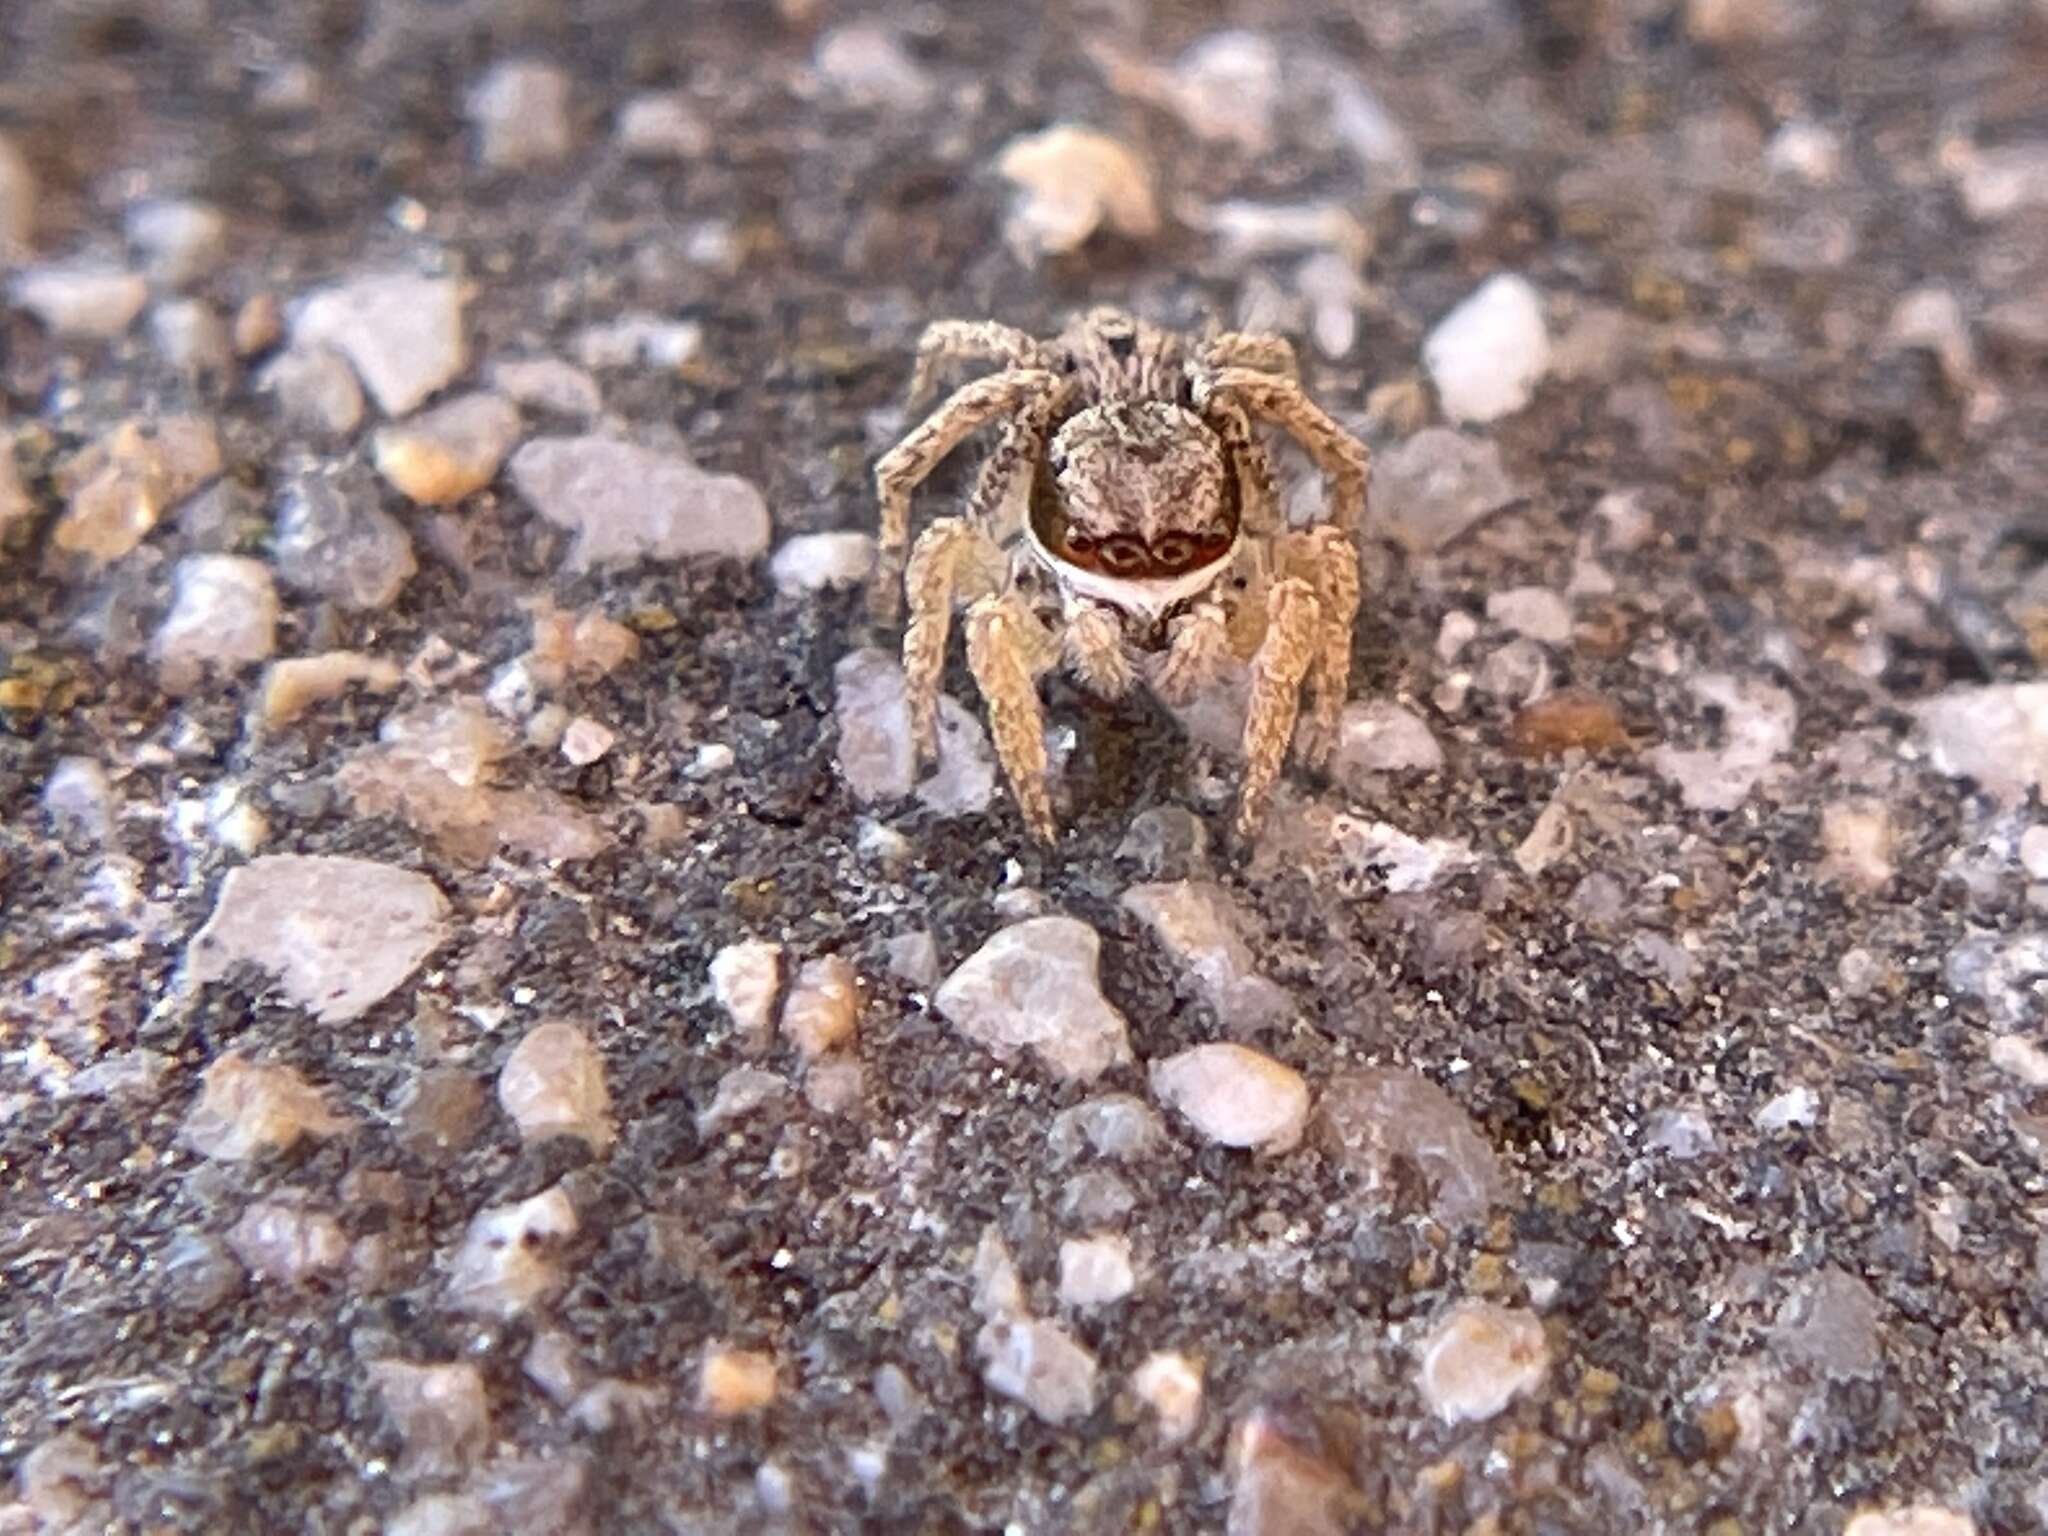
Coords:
1153,548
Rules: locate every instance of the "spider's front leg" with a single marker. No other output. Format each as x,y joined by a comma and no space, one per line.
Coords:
903,468
1342,458
1095,652
1006,650
970,341
1293,618
1197,650
1251,349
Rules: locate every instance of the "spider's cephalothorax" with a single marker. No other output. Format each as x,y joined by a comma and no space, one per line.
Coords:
1147,486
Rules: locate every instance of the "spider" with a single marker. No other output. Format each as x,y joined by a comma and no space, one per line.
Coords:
1152,548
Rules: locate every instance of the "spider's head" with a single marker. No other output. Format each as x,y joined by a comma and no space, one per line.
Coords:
1136,491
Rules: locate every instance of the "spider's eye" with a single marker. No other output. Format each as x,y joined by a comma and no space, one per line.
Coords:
1123,553
1081,544
1120,343
1174,549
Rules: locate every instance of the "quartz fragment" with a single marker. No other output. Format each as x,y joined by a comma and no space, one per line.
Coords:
507,1261
1857,836
1480,1358
1382,737
1431,489
401,332
1831,1324
80,300
1288,1476
316,392
17,201
1758,720
1034,986
547,384
1170,1384
284,1241
1405,864
223,618
822,562
867,66
1536,613
191,338
245,1109
1487,355
553,1085
1911,1520
1202,928
521,112
340,545
1235,1096
640,341
340,934
875,751
745,978
1040,1365
441,1413
740,1092
585,740
1095,1271
181,242
1118,1125
445,453
1380,1118
1073,181
662,125
1996,736
626,503
823,1006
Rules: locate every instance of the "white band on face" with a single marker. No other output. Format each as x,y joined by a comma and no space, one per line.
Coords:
1151,597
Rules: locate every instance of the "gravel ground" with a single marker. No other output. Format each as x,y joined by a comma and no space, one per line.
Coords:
496,1035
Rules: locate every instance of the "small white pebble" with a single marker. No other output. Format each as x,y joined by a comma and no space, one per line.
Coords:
1479,1359
1795,1106
746,978
1488,354
713,758
282,1240
584,741
1095,1271
441,1413
1170,1384
2020,1057
1234,1095
553,1085
1911,1520
507,1260
2034,852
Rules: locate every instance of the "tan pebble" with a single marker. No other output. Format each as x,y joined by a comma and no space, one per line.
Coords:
823,1006
732,1382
